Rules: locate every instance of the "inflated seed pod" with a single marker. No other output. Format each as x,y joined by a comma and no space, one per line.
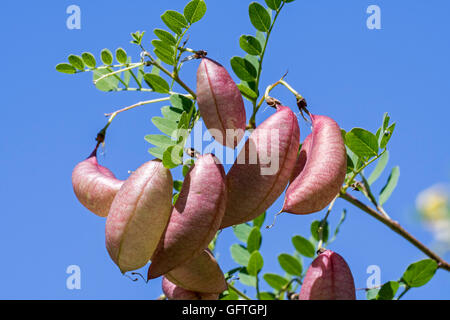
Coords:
220,103
139,215
200,274
328,278
320,170
94,185
174,292
195,218
263,167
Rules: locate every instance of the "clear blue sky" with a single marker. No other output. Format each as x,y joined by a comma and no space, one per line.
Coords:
344,70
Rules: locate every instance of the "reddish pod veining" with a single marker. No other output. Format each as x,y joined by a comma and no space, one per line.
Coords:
328,278
263,167
220,103
195,218
320,170
139,215
95,186
174,292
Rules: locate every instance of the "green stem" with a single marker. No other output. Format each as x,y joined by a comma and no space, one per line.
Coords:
324,220
407,288
355,173
257,288
117,72
258,76
243,295
174,77
143,103
105,67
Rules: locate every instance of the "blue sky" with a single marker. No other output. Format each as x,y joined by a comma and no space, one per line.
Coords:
345,71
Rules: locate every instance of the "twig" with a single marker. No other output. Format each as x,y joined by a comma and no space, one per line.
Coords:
396,227
243,295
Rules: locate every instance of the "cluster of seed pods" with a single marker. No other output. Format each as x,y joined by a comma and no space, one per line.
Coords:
143,225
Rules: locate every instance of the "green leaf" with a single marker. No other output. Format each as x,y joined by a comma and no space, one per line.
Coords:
173,157
65,68
165,36
315,230
371,294
388,291
261,36
243,68
194,10
259,221
157,152
290,264
341,221
385,121
275,281
121,56
177,185
273,4
350,164
160,140
231,295
254,240
107,84
164,57
247,279
250,45
386,136
419,273
106,56
353,157
362,142
127,74
288,1
247,92
186,169
137,37
76,61
387,190
254,60
267,296
174,20
171,113
157,83
240,254
255,263
241,231
181,102
164,47
89,59
259,17
381,165
303,246
175,198
166,126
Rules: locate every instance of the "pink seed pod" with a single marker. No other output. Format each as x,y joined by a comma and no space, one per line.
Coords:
220,103
328,278
139,215
195,218
200,274
174,292
320,170
263,167
94,185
